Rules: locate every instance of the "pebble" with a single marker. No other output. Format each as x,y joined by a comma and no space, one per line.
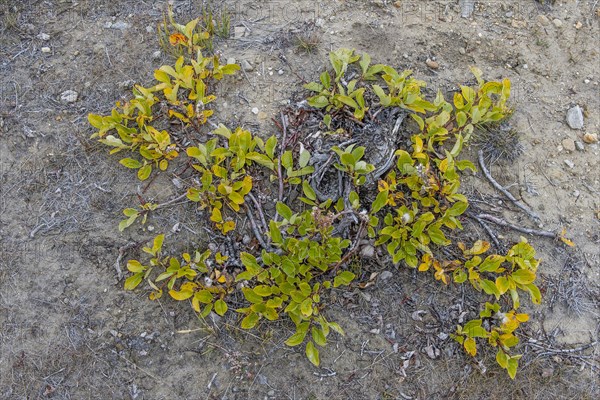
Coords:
118,25
385,275
46,50
69,96
43,36
557,23
246,240
239,32
568,144
255,110
368,252
570,163
156,55
320,22
579,146
262,115
462,50
543,20
231,60
432,64
280,72
246,66
575,117
578,25
149,29
590,138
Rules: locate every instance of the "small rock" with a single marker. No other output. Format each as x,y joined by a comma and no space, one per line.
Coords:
69,96
570,163
120,25
246,66
43,36
246,240
239,32
462,51
557,23
231,60
280,72
255,110
416,316
509,14
156,55
579,146
432,64
271,393
46,50
578,25
432,351
575,117
262,115
375,331
385,275
398,4
149,29
320,22
568,144
547,372
543,20
367,251
150,228
590,138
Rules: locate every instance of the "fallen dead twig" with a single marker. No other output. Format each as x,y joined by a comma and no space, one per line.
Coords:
501,222
255,229
509,195
486,228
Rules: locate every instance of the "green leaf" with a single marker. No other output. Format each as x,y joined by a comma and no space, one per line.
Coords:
306,308
298,337
157,244
380,201
304,158
318,336
490,287
204,296
344,278
312,354
502,358
284,210
511,368
250,321
144,172
130,163
135,266
275,233
133,281
220,307
523,276
308,191
536,295
336,327
95,121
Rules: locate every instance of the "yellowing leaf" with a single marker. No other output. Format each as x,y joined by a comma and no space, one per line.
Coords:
181,295
220,307
312,354
250,321
470,346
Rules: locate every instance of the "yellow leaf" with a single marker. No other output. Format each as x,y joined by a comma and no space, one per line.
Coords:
312,353
181,295
470,346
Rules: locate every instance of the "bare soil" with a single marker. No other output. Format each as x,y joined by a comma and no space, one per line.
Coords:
69,331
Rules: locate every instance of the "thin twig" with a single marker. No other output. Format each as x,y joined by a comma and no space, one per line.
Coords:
261,214
486,227
501,222
512,198
281,151
255,229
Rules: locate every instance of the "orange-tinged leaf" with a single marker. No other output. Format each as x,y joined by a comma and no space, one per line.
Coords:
177,38
470,346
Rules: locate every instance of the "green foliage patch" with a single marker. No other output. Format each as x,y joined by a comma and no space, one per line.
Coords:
302,257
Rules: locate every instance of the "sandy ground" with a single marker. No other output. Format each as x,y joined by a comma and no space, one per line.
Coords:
69,331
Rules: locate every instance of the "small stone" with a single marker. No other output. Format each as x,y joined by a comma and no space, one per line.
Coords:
547,372
255,110
590,138
432,351
271,393
432,64
368,252
156,55
385,275
575,117
120,25
570,163
262,115
543,20
578,25
586,81
280,72
149,29
557,23
568,144
43,36
46,50
150,228
246,66
397,4
246,240
69,96
231,60
509,14
239,32
320,22
579,146
462,51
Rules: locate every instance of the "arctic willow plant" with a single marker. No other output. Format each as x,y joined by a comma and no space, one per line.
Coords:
291,273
